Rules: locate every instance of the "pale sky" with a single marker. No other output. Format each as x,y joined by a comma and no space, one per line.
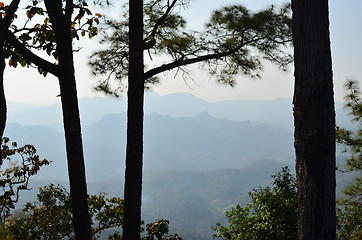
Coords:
26,86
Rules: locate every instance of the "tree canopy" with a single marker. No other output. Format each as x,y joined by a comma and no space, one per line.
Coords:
235,40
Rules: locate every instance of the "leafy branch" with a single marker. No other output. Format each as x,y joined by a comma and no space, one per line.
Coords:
234,41
15,177
20,42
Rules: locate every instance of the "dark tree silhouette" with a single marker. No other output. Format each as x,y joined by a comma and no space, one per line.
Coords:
68,91
134,152
57,40
314,119
4,24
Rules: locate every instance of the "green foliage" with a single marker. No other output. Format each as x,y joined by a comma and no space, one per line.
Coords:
19,165
105,213
351,139
234,41
158,230
50,217
349,222
235,28
350,203
271,214
37,32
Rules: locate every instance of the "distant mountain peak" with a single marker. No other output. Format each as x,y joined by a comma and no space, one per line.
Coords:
204,114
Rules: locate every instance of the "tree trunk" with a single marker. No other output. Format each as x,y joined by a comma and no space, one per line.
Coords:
5,23
314,120
3,111
74,147
134,152
2,94
72,127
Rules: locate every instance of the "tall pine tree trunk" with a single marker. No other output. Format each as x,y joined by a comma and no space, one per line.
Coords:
75,157
74,145
71,119
314,120
134,152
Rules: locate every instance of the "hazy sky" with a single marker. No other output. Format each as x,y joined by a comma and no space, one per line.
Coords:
26,86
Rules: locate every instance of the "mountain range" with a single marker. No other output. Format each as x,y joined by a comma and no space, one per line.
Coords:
200,158
181,132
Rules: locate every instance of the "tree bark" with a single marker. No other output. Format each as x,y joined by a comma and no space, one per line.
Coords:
314,120
75,157
134,152
72,126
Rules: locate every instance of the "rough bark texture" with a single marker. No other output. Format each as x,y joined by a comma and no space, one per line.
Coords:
72,127
134,152
314,118
74,147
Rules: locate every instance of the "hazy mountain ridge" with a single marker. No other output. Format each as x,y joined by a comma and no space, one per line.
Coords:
174,105
278,111
181,132
196,143
200,158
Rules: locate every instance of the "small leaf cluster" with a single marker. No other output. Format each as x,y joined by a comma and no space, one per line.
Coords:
271,214
105,213
3,11
14,56
88,26
158,230
20,163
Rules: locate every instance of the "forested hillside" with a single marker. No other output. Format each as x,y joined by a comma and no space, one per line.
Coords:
192,201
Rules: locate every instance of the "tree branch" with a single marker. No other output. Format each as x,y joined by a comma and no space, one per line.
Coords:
40,62
150,41
182,62
8,19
